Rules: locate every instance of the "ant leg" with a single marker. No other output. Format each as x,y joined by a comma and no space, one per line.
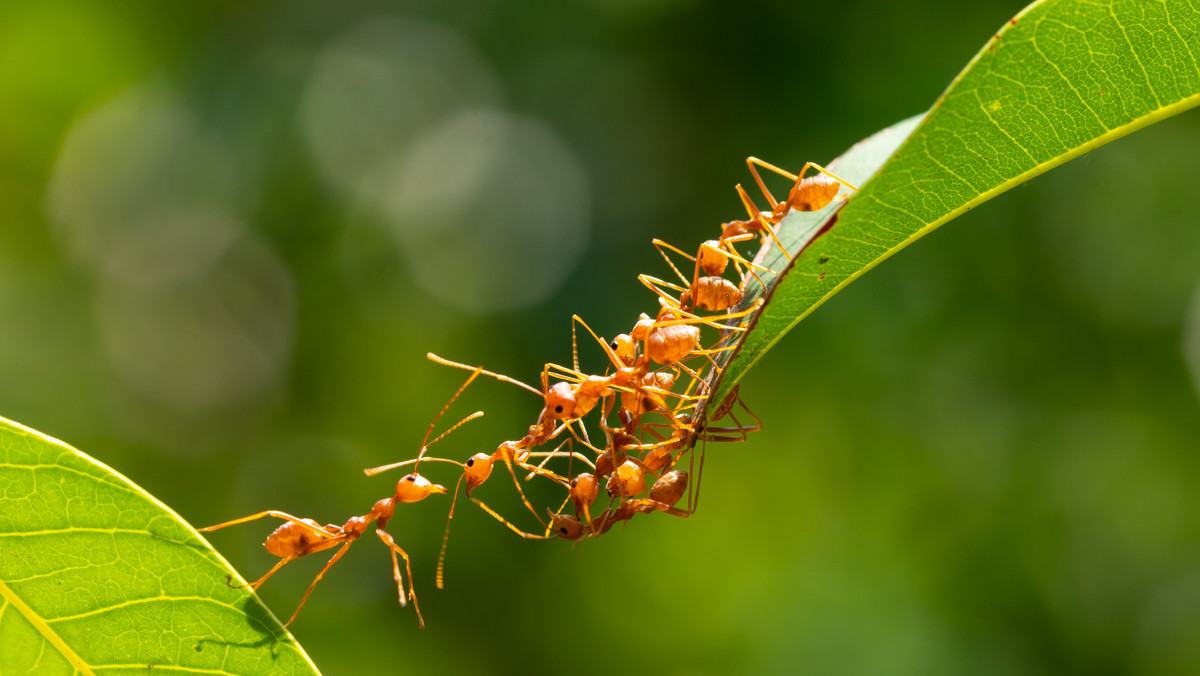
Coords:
707,320
540,468
453,364
742,431
690,318
441,565
795,178
270,512
460,423
474,374
612,356
332,560
253,586
811,193
550,526
396,549
562,373
372,471
574,349
740,261
656,285
659,244
823,170
751,162
763,224
521,492
507,523
694,486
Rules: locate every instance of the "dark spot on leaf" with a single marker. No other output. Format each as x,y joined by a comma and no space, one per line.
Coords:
826,227
822,260
1012,22
821,276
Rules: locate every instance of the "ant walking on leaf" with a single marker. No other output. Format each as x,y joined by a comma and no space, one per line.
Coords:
808,193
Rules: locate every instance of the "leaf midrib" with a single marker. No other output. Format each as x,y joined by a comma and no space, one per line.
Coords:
44,629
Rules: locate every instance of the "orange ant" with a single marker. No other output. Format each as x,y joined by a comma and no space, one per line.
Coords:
670,337
478,468
807,194
628,478
713,292
710,290
577,393
297,537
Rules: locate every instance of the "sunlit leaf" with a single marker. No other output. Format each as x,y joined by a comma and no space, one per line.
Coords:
1061,78
96,576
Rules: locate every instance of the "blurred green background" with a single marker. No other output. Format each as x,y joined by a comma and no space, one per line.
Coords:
232,231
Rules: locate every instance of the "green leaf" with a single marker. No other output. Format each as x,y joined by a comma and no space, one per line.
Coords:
1061,78
98,577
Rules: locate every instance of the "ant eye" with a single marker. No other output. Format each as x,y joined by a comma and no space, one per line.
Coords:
470,462
563,530
558,409
613,344
410,477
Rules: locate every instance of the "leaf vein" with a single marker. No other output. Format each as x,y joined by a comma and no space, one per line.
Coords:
136,602
1070,85
44,629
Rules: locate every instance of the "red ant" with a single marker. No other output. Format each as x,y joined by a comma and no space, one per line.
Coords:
297,538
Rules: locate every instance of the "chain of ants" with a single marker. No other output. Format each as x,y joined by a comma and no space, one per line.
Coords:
659,376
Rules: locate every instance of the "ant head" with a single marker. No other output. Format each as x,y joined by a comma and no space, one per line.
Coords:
477,469
560,401
584,490
565,526
414,488
624,347
712,258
